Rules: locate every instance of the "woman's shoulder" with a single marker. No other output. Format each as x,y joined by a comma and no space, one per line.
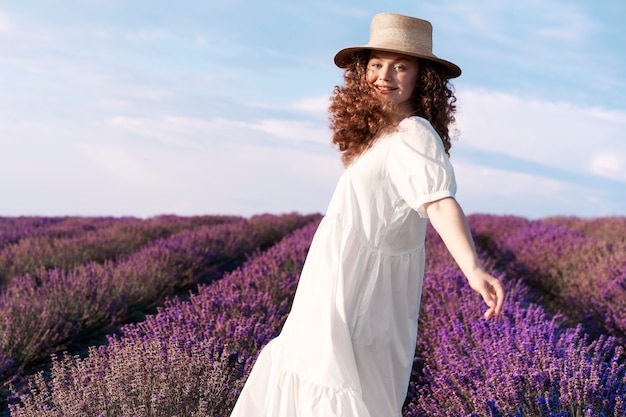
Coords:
418,134
417,124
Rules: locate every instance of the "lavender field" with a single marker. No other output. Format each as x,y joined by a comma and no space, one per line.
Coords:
165,316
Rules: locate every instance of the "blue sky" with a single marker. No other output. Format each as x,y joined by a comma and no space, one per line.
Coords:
203,107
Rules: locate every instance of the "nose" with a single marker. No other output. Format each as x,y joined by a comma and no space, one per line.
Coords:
384,73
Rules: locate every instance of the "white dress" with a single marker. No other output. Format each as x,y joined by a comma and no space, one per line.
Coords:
347,346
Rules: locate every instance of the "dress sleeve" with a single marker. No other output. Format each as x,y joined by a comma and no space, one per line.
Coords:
418,166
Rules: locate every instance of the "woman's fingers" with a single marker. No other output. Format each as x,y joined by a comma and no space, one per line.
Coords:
494,298
499,298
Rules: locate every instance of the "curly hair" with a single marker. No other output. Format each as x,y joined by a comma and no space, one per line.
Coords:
358,116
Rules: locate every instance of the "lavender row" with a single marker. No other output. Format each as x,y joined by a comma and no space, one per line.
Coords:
525,363
62,309
13,229
607,229
190,358
584,277
73,242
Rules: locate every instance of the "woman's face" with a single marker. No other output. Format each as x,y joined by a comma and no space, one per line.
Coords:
393,76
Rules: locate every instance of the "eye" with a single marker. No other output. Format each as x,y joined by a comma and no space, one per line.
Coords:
400,68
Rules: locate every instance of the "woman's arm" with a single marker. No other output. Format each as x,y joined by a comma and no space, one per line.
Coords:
448,219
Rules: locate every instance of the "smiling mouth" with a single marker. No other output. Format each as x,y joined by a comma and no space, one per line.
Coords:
385,89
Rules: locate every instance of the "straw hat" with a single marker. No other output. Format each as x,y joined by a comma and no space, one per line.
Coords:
392,32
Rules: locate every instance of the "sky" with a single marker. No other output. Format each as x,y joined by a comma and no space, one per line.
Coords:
142,108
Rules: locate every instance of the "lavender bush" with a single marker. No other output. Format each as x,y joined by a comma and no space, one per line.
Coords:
583,276
188,359
13,229
607,229
517,365
192,357
63,245
61,309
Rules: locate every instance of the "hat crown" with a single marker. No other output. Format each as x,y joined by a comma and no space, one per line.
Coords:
403,33
393,32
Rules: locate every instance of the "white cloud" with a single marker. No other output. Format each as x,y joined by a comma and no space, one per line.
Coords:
24,27
520,24
192,132
147,92
560,135
610,165
564,21
201,40
477,20
5,23
313,105
292,130
121,164
498,191
170,130
235,128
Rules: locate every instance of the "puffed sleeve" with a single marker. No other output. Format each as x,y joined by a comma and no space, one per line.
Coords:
418,166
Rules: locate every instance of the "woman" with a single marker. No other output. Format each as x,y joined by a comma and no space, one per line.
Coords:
346,349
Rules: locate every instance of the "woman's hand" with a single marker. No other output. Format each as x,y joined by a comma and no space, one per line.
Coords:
448,219
490,288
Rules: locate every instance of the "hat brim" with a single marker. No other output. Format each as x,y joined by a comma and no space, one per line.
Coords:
344,57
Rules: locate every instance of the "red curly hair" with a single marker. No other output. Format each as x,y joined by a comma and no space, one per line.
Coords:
358,116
